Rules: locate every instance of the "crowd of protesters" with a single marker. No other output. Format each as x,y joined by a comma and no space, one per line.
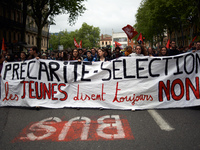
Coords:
98,54
94,54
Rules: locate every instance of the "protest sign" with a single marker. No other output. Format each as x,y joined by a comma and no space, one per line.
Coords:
124,83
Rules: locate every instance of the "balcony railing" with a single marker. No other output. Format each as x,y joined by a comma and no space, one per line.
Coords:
35,30
8,23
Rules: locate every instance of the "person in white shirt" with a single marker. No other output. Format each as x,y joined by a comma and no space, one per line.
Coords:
139,51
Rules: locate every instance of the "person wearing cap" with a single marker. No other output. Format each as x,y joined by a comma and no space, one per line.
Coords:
89,56
44,56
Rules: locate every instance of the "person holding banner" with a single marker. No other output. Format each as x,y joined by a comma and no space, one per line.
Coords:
163,51
22,56
101,56
139,51
173,51
89,56
33,53
197,46
94,53
75,55
1,66
150,51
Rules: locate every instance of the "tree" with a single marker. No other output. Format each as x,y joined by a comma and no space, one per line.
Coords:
87,33
155,17
44,11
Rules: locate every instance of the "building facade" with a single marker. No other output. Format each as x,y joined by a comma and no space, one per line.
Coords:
122,38
105,41
11,27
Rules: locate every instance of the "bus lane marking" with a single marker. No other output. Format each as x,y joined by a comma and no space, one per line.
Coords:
160,121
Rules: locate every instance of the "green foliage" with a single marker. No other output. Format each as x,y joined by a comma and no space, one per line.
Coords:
88,34
44,11
154,17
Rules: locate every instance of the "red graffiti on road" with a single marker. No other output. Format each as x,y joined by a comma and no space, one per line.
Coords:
109,127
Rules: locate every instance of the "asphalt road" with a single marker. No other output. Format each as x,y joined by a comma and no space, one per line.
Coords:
94,129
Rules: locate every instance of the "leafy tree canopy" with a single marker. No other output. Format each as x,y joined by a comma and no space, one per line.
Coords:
87,33
154,17
44,11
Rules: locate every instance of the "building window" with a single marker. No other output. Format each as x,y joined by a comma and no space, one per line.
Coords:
9,37
28,21
32,40
28,39
106,43
14,34
18,37
18,17
102,43
123,39
14,16
9,14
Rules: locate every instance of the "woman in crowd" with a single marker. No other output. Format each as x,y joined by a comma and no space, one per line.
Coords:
75,55
23,56
101,56
150,51
64,56
163,51
139,51
9,57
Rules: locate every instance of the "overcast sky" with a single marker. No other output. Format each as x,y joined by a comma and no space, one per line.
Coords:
105,14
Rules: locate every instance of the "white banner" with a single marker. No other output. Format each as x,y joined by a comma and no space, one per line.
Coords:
124,83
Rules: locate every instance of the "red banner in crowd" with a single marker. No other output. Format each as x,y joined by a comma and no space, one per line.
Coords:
75,43
80,44
3,45
130,31
139,39
190,46
117,44
168,44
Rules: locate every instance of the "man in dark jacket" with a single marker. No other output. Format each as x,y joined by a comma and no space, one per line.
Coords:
173,51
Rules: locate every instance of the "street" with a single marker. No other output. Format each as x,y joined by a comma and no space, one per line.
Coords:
28,128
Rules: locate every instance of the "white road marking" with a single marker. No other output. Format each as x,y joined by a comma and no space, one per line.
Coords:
160,121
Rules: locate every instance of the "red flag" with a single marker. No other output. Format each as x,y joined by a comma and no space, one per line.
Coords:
130,31
117,44
139,39
168,44
80,44
3,45
75,43
190,46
